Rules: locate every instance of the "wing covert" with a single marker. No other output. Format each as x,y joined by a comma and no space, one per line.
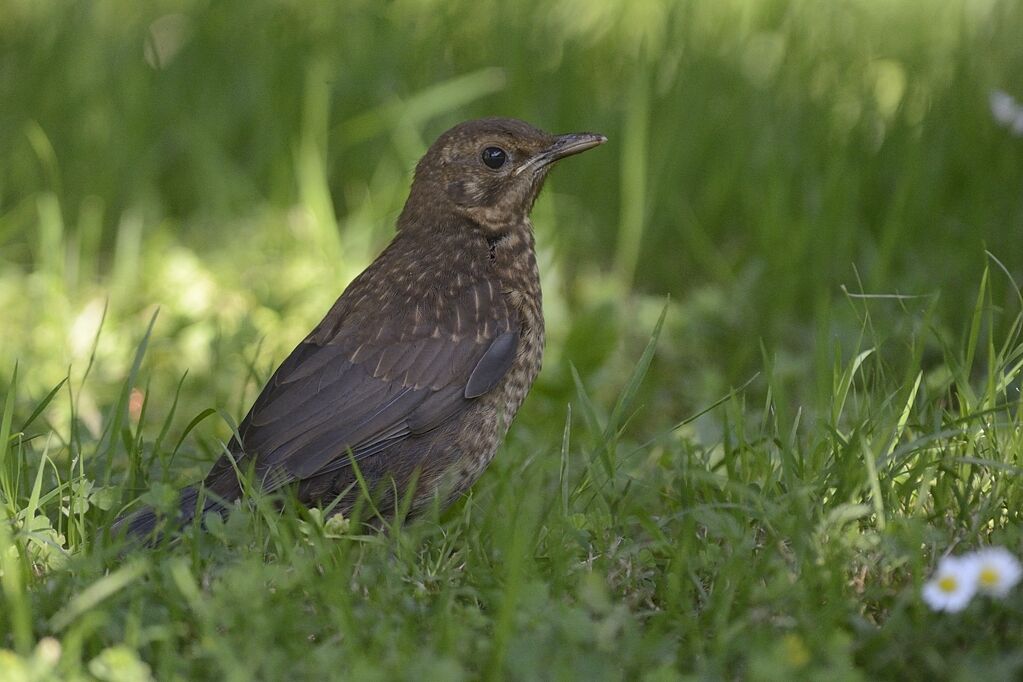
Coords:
362,389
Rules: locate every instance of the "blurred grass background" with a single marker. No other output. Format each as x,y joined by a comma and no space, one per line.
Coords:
236,163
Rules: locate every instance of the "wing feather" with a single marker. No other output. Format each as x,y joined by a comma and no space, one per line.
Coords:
353,386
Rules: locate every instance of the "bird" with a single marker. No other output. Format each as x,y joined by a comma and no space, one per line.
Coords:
415,373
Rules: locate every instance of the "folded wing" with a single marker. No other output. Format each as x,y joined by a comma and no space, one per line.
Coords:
352,389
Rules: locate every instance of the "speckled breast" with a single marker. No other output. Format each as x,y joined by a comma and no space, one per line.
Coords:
488,421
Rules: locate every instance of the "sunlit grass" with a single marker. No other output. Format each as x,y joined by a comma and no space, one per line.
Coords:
749,545
608,551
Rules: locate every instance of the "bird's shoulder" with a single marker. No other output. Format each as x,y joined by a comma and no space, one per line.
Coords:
416,291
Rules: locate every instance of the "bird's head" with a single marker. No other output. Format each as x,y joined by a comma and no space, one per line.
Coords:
489,170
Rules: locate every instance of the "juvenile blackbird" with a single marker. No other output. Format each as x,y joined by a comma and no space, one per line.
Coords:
416,371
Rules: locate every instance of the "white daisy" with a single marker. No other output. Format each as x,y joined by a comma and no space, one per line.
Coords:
1006,111
998,570
952,585
1003,107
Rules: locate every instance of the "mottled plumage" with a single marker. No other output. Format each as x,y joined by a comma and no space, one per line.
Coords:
418,368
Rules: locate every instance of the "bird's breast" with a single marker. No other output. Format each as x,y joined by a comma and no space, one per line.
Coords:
523,295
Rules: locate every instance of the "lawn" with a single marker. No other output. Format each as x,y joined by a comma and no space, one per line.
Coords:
784,356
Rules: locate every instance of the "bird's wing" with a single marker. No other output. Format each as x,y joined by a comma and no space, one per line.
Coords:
355,387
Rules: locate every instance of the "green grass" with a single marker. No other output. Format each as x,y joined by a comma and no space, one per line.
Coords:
814,195
770,549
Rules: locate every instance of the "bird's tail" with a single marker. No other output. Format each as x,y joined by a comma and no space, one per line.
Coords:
149,526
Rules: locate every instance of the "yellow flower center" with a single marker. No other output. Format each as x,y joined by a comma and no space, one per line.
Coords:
988,577
948,583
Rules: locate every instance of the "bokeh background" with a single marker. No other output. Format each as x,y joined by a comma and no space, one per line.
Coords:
234,164
826,199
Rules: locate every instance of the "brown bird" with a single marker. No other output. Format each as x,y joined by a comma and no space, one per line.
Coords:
416,371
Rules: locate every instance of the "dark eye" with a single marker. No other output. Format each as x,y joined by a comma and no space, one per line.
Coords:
494,157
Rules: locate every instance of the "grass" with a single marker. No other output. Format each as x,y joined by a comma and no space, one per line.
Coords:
774,549
751,480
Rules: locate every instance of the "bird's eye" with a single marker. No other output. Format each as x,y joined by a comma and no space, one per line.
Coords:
494,157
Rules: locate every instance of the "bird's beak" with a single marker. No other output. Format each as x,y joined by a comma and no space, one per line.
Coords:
563,145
